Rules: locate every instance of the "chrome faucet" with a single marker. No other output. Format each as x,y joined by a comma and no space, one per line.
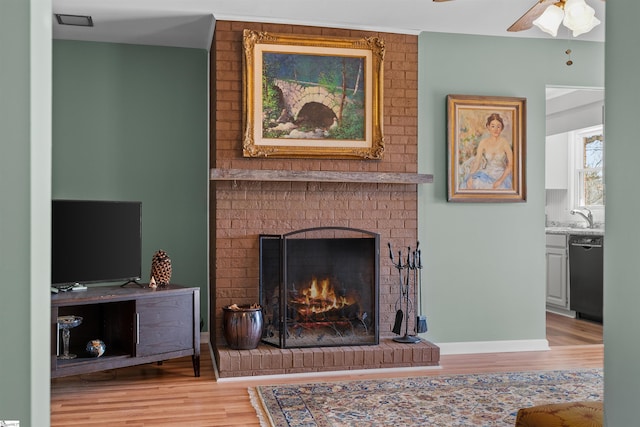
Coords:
588,216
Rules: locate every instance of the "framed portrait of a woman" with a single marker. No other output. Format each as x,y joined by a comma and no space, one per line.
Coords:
486,148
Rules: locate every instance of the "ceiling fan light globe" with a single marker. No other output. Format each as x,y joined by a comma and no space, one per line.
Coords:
550,20
579,17
577,8
588,26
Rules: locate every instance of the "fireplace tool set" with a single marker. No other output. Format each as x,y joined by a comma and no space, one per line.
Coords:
408,272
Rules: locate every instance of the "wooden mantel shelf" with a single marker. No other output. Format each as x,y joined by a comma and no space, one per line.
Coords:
318,176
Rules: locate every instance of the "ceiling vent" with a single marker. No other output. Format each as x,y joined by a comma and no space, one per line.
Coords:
77,20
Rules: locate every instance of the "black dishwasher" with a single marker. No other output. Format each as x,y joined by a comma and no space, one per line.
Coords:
585,276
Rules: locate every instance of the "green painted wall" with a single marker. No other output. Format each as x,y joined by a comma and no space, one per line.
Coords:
131,123
25,168
449,64
485,262
621,249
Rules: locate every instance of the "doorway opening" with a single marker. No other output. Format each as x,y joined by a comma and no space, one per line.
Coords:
571,113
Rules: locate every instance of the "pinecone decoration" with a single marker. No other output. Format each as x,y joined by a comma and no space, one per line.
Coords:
161,268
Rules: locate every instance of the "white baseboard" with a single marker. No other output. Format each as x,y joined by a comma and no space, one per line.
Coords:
474,347
561,311
324,374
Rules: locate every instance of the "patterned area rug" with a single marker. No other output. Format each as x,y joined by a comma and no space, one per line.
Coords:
442,401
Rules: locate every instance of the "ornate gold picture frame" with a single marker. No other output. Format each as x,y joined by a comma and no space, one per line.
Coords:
486,148
310,96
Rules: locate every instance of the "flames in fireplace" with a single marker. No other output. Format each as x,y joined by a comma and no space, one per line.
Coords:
319,297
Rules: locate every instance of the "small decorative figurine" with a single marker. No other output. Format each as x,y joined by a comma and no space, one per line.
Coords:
152,283
96,348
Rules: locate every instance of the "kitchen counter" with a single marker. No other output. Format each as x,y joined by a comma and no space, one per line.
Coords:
575,231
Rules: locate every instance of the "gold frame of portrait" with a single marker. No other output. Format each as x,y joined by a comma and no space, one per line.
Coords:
466,127
371,49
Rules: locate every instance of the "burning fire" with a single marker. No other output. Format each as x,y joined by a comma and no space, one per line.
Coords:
320,297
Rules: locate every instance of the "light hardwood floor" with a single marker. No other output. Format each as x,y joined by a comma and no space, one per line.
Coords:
562,330
169,395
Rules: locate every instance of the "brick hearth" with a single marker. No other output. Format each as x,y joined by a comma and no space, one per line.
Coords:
268,360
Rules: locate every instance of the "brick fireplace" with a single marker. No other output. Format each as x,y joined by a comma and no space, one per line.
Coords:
241,210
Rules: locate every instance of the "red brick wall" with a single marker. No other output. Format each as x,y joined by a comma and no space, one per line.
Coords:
242,210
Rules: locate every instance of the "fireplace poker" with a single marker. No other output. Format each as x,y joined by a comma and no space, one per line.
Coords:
421,320
397,324
411,265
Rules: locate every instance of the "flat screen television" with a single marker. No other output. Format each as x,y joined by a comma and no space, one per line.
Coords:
95,241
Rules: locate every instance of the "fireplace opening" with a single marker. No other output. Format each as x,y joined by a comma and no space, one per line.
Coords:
319,287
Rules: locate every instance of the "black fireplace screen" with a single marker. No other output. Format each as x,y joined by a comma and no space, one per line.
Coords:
319,287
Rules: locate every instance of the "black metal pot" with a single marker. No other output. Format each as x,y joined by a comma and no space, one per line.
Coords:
242,327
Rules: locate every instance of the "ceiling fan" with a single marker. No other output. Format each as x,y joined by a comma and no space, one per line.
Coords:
526,21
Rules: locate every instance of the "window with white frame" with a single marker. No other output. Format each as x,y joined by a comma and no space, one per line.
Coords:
588,159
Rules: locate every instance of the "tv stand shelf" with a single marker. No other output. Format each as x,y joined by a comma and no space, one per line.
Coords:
137,325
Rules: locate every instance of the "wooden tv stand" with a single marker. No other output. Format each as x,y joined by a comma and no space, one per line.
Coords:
137,325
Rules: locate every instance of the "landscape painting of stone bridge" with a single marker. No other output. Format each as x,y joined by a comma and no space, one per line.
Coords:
313,96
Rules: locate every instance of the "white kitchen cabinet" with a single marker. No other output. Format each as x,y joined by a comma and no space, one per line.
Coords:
557,283
557,162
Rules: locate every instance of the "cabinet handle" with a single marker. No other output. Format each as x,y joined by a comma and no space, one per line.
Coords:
137,328
586,245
